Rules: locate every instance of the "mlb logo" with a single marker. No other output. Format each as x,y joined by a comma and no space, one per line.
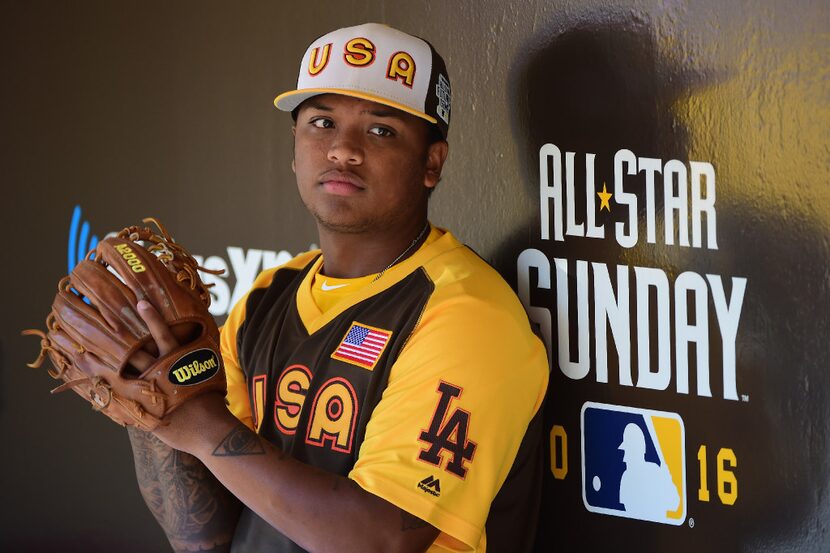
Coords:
633,463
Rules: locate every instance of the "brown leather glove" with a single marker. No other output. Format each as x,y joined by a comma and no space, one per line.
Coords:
90,343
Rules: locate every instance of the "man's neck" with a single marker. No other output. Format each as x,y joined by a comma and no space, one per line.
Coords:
353,255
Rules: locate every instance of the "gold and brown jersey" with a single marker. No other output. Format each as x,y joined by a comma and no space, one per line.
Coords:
422,386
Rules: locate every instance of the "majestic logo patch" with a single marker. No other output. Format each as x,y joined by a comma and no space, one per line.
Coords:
194,368
633,463
430,485
362,346
448,433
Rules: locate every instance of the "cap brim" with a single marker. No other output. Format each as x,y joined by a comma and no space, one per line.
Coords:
288,101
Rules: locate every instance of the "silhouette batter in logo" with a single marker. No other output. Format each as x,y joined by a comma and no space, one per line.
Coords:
646,488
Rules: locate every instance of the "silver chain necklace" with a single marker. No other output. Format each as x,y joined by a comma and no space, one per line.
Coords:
403,253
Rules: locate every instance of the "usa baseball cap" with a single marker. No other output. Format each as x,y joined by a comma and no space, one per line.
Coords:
378,63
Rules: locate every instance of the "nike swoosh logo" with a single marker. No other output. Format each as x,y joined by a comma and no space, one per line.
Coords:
326,287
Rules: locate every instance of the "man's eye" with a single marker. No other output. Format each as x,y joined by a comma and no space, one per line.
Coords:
381,131
322,123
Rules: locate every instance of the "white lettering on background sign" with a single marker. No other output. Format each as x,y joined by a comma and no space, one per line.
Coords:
244,265
640,305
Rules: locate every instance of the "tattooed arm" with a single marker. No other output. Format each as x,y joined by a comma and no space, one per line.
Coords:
316,509
195,511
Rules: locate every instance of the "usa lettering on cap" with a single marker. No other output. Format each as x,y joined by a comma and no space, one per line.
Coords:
378,63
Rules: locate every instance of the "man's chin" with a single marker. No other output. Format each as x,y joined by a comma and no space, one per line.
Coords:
342,225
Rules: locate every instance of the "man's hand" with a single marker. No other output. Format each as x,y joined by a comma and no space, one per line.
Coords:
93,329
182,426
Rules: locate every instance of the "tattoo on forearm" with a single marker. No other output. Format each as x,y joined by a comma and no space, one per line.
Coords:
239,441
196,512
411,522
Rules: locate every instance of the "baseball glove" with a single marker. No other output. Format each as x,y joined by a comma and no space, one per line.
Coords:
93,329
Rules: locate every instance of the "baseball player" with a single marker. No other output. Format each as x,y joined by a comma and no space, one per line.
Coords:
384,391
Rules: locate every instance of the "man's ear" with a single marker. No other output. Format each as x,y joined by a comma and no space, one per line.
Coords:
294,134
436,156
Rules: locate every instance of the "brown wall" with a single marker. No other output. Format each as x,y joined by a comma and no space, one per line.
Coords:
128,109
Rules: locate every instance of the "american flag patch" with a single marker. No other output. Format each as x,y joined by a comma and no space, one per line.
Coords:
362,346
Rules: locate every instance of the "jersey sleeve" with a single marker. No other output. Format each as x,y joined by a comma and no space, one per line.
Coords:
459,399
237,398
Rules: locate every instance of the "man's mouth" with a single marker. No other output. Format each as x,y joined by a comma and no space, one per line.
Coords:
341,183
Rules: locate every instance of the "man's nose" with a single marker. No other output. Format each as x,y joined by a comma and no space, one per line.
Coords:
346,148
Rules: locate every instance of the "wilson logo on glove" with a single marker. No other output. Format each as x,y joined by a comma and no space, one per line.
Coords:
194,368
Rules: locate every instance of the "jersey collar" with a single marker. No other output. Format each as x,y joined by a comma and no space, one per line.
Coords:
438,242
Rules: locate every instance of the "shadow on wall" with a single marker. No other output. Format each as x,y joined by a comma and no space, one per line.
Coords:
594,88
603,86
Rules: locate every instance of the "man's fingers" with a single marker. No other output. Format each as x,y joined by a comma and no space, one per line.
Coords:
161,333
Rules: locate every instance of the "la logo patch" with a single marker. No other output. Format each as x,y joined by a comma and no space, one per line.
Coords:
448,434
